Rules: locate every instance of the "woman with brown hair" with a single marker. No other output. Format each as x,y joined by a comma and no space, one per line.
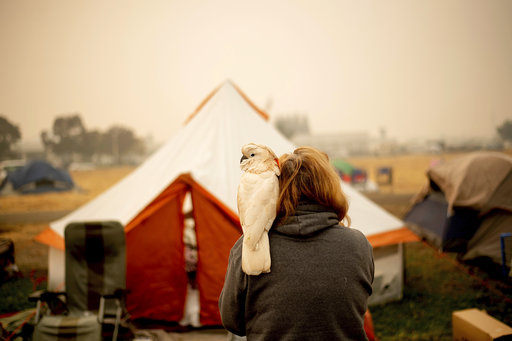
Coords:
321,272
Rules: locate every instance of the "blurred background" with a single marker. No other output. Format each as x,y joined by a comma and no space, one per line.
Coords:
365,77
90,89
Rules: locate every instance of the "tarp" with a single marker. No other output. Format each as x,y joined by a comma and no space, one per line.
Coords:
470,181
346,170
343,166
201,159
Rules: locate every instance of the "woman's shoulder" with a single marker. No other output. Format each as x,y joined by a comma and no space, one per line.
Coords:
350,233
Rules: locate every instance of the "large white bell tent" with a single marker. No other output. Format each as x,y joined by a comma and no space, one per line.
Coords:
202,161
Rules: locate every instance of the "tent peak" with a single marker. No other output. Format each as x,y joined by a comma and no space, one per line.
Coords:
228,83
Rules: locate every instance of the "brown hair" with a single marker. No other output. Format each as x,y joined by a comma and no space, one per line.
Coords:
307,174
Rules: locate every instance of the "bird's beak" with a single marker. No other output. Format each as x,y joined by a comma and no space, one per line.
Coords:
243,158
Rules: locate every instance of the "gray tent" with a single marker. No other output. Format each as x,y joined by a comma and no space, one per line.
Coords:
466,205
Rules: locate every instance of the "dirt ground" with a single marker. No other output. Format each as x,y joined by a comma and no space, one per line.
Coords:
197,335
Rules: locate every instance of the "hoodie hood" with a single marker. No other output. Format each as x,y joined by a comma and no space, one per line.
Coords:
309,218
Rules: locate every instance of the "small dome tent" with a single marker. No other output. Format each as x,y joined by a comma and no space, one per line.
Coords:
38,177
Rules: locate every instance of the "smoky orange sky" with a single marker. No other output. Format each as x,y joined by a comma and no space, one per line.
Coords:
428,69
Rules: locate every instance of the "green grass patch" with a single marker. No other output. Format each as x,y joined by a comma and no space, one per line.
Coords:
435,286
14,294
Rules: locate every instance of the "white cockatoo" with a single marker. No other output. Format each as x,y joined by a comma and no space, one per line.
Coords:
257,198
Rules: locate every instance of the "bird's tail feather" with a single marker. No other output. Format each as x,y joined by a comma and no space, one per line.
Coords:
255,262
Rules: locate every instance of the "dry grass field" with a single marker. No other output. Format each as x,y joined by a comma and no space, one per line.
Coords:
89,183
409,171
31,255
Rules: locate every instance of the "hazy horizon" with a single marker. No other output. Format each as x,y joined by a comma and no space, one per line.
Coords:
428,69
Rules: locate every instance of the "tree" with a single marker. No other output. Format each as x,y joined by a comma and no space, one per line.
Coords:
72,142
120,141
47,142
68,137
9,135
505,131
69,131
91,144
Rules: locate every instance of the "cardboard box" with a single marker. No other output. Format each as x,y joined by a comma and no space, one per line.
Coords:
477,325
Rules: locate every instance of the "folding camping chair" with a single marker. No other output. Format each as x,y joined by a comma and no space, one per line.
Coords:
95,262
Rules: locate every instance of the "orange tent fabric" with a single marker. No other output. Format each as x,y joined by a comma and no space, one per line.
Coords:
156,280
217,231
402,235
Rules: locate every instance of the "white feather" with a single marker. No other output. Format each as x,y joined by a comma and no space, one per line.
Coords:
257,198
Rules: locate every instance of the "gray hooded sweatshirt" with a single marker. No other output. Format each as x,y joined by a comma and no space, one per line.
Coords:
318,287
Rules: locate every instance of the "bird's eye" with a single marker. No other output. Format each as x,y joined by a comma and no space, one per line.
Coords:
252,154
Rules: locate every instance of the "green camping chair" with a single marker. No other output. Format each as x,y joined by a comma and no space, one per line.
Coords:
95,285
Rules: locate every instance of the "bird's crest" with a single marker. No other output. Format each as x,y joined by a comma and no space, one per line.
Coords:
258,158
